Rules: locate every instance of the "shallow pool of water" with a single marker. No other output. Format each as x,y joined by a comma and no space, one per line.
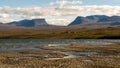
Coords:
7,45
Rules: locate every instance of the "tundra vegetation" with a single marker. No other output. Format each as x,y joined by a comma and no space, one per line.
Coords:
108,56
63,33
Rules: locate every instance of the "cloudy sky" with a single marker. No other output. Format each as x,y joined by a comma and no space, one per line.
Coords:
59,12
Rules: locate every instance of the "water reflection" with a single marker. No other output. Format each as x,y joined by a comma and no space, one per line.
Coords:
30,44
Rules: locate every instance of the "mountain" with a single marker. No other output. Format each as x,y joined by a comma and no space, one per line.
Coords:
81,20
97,20
30,23
113,19
103,18
40,22
92,20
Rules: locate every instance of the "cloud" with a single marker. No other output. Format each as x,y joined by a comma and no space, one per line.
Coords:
62,3
3,15
61,12
73,11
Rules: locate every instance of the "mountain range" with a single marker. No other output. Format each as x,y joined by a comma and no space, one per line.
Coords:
30,23
89,27
97,20
93,20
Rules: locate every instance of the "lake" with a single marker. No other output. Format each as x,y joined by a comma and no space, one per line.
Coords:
18,45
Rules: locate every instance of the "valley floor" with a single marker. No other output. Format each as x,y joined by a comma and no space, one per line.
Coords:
62,33
71,56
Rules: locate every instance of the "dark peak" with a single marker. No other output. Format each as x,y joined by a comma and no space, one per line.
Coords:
81,20
80,17
25,20
25,23
115,17
99,15
98,18
30,23
40,22
39,19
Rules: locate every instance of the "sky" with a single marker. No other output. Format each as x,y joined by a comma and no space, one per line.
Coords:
57,12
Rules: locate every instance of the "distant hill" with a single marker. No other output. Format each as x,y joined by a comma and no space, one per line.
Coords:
103,18
88,21
30,23
81,20
90,27
97,20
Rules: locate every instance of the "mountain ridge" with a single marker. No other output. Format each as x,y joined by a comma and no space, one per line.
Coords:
97,19
30,23
90,20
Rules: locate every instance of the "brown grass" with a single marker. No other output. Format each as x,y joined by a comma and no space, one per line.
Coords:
63,32
108,57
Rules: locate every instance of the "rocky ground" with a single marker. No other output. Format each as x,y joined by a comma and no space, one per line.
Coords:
71,56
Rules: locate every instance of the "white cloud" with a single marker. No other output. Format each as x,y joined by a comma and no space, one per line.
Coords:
3,15
62,3
61,12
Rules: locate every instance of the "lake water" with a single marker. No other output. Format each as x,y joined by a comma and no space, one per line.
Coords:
7,45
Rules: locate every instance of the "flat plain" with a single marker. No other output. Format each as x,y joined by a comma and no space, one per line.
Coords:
70,56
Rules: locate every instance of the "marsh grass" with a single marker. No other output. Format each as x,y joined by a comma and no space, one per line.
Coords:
96,33
108,57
